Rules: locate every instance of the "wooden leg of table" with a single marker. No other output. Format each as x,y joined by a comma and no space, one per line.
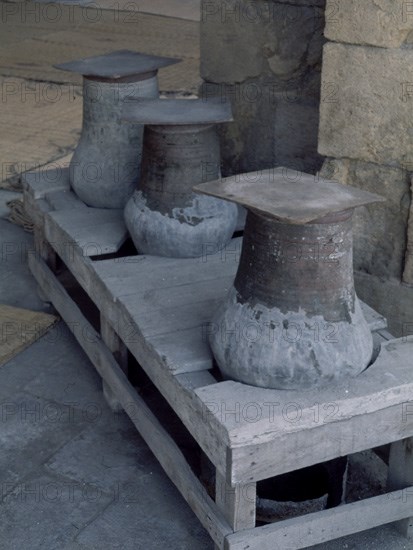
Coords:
43,248
46,252
401,476
237,504
120,352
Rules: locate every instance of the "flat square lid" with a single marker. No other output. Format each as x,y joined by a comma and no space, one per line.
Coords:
177,112
117,64
287,195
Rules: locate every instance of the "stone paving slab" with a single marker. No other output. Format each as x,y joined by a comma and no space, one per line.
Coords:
67,376
27,423
106,467
45,512
149,515
17,286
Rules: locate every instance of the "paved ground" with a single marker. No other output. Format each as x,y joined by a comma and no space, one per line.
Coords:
74,475
41,107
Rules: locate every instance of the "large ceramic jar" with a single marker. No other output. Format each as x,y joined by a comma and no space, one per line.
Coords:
105,166
292,319
181,148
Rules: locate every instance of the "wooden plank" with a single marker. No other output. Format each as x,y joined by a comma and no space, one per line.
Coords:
36,208
400,476
120,353
388,382
43,247
161,282
126,276
187,351
72,256
63,200
193,380
286,453
375,320
170,319
385,334
184,404
237,503
266,427
174,294
319,527
160,443
85,218
42,181
96,231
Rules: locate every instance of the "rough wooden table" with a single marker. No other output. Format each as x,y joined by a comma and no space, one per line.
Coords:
159,309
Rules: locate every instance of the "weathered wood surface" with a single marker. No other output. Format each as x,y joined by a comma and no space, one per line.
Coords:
237,503
40,182
63,200
95,231
319,527
312,426
400,475
120,353
160,443
388,382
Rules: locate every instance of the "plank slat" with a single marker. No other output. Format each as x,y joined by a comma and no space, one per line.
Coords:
153,322
187,351
319,527
38,183
388,382
96,231
63,200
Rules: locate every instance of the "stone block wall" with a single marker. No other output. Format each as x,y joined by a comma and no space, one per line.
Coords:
265,56
366,133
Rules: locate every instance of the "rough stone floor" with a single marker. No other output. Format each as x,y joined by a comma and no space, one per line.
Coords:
74,475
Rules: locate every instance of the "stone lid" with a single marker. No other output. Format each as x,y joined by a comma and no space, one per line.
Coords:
287,195
177,112
118,64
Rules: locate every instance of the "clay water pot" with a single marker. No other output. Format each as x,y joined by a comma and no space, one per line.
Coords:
181,148
105,166
292,319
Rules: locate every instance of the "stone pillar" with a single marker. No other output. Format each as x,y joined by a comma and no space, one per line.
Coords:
366,133
265,56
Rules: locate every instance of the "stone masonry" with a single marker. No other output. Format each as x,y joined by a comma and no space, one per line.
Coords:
265,56
366,133
326,79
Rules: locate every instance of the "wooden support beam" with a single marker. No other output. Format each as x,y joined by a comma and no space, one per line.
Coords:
120,353
319,527
401,476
